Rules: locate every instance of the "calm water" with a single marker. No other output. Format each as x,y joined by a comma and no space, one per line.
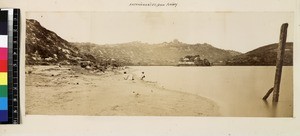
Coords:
237,90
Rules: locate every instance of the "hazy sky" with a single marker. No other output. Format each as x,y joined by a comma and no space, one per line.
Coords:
240,31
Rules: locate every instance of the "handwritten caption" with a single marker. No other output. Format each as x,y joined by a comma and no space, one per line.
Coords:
141,4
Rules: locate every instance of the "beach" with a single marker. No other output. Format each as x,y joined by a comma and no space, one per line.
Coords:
71,90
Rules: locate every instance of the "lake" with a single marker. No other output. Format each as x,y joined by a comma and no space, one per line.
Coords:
238,90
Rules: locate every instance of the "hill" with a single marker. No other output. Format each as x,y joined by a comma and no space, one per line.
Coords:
45,47
167,53
263,56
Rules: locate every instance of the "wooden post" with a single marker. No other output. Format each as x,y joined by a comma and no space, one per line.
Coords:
268,94
279,62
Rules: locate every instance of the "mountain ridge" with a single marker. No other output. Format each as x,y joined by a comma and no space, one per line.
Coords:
166,53
44,47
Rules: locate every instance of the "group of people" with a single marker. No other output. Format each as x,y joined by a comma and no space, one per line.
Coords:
127,76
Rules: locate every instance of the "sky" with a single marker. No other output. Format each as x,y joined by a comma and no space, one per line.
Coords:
239,31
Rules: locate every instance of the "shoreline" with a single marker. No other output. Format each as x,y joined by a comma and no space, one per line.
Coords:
72,92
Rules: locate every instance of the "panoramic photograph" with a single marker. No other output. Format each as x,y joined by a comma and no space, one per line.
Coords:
206,64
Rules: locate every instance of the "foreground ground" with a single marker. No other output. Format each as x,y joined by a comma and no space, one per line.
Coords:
53,90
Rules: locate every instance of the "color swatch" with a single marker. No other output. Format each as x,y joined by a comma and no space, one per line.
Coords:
3,66
9,66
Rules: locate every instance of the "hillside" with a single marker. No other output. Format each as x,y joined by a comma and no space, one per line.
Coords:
263,56
167,53
45,47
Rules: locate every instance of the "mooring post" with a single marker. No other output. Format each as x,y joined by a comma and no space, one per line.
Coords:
279,63
268,94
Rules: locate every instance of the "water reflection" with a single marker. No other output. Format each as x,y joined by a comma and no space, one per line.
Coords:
272,108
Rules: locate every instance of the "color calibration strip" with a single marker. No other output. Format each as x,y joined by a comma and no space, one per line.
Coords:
9,66
3,66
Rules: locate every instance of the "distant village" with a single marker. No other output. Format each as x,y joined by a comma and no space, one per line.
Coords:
191,60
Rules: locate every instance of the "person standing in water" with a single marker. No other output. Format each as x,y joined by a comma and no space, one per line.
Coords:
143,76
125,76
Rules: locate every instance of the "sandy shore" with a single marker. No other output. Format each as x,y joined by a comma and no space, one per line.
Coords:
51,90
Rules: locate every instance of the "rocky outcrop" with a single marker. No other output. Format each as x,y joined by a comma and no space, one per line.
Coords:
45,47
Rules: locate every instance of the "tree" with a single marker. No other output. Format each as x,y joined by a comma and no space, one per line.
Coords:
206,62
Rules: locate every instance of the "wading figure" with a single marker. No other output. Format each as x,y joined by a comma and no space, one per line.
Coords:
143,76
125,76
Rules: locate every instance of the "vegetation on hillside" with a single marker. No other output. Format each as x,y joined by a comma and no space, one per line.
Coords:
45,47
191,60
263,56
162,54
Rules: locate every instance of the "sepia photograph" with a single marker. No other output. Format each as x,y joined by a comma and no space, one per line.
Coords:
206,64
